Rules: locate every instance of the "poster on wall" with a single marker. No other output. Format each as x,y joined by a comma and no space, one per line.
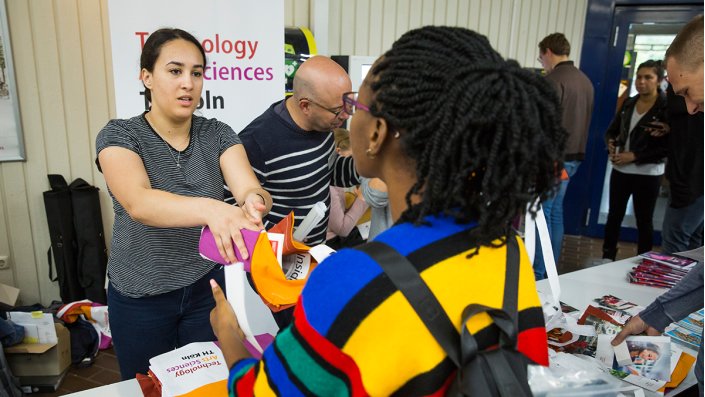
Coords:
11,143
243,41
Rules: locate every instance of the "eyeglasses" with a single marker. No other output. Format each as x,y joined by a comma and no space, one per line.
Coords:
335,111
351,105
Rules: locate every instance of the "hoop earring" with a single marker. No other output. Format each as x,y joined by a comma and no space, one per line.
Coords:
396,135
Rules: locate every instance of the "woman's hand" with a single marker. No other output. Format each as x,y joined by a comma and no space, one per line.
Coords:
610,146
226,328
255,208
225,222
622,158
657,128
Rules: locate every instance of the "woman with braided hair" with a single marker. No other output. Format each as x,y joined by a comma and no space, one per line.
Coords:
464,141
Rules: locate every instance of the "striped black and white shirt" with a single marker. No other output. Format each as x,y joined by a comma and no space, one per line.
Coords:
147,260
295,166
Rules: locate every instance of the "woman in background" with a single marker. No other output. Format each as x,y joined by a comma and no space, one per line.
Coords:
343,218
637,158
165,170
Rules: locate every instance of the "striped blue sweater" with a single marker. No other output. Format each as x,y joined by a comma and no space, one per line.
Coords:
295,166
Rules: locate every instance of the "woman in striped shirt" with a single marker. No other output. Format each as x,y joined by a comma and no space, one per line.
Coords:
165,171
464,141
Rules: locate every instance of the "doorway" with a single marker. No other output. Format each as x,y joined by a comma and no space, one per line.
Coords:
638,33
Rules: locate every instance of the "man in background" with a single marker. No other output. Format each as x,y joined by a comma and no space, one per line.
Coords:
292,149
576,95
684,63
683,220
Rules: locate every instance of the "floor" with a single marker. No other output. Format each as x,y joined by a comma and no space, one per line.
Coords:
578,252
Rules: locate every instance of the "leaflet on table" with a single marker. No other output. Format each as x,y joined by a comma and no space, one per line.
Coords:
685,337
693,322
595,321
197,369
568,309
38,326
672,260
613,302
657,268
651,360
634,279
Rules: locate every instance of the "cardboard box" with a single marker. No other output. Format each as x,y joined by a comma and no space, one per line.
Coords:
9,294
39,359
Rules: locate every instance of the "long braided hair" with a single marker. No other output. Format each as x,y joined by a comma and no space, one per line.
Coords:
485,134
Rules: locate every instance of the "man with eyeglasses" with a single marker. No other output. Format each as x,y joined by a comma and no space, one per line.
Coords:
576,95
292,149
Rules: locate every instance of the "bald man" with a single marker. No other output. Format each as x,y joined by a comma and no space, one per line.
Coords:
292,149
684,64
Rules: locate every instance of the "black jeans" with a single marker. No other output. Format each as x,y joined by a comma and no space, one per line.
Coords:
645,189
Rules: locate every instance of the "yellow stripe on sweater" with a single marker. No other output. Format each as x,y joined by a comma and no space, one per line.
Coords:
394,326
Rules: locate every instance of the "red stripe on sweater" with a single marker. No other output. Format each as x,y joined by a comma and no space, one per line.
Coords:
534,344
328,351
246,384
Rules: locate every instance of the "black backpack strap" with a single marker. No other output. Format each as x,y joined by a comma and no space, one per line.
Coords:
511,281
406,278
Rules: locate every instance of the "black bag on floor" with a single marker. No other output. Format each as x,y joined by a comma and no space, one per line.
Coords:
92,254
77,240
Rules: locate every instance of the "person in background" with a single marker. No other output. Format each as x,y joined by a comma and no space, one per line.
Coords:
165,170
682,59
576,95
292,149
343,218
682,228
375,193
683,221
637,159
443,120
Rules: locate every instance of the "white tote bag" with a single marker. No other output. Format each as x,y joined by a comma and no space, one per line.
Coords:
550,304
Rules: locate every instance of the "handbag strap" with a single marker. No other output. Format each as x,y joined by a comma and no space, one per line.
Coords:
407,279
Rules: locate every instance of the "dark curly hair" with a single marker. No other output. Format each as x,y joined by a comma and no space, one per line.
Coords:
484,133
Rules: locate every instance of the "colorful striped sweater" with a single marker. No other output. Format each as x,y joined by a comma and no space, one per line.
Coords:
355,334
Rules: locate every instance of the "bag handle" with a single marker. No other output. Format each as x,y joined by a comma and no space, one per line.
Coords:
531,224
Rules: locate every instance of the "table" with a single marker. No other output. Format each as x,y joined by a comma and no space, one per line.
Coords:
126,388
579,288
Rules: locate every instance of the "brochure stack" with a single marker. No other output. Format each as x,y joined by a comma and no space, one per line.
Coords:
660,270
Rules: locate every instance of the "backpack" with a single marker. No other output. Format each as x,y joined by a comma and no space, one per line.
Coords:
77,240
501,371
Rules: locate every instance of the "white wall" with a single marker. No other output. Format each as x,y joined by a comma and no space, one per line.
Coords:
61,52
514,27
